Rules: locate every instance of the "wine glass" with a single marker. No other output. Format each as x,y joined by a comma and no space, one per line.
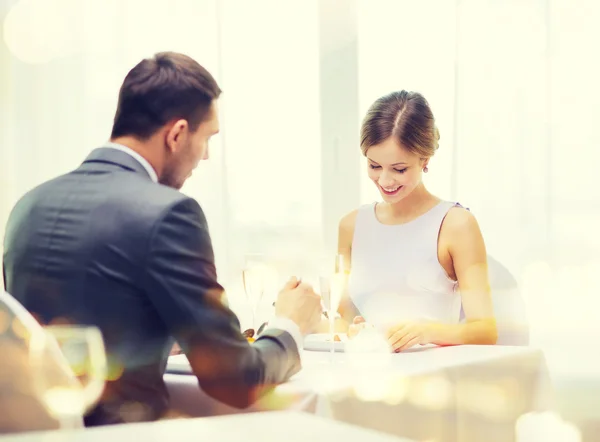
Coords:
254,277
332,289
333,285
70,367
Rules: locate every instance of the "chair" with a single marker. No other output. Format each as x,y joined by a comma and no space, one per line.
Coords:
21,408
509,308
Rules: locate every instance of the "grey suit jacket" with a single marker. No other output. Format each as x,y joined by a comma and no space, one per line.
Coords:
104,245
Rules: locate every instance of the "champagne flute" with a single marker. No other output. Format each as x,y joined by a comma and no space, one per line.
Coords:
332,290
254,279
73,384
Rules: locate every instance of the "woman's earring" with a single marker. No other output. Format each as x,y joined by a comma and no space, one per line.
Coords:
425,169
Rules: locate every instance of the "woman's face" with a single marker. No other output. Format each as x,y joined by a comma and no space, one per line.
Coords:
394,170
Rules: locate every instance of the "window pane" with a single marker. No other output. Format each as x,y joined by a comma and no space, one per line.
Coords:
410,45
271,133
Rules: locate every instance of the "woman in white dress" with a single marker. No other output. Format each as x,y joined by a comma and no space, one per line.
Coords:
415,261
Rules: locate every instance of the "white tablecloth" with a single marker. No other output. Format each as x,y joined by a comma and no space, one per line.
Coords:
462,393
264,427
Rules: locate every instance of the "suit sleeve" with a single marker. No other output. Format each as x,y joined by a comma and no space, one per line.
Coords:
181,282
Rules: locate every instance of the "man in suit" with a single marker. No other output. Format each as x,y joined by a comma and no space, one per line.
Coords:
114,244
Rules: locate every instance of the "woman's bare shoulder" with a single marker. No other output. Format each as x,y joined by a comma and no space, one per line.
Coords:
346,230
348,221
459,219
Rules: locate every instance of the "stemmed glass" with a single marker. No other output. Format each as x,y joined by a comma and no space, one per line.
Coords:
70,371
332,289
254,277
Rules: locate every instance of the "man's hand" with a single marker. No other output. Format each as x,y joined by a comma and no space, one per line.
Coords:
408,334
358,323
298,302
175,350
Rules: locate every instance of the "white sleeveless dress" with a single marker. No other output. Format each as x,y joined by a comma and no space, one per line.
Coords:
395,274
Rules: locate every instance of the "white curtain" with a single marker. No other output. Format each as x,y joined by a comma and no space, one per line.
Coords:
513,85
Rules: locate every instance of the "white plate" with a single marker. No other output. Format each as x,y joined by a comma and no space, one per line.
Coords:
322,342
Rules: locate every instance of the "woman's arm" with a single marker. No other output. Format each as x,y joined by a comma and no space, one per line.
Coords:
461,234
346,309
462,243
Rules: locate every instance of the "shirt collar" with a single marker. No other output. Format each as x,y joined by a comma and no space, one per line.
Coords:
136,156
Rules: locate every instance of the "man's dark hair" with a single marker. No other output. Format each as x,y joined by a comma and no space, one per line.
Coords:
166,87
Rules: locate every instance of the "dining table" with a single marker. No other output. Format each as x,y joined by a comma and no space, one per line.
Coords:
460,393
276,426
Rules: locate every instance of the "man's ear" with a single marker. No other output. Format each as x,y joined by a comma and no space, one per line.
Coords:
176,135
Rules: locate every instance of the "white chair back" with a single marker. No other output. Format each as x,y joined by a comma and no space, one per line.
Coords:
21,336
509,308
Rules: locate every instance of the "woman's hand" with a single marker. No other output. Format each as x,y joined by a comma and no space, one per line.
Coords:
358,323
408,334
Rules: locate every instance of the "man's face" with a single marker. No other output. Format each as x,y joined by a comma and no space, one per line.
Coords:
181,164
